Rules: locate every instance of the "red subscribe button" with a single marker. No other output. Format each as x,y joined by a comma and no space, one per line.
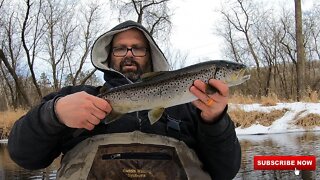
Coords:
284,162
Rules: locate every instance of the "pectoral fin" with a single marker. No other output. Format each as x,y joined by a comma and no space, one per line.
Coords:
155,114
112,117
210,89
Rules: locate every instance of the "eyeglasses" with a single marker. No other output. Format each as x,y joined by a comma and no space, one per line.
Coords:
136,51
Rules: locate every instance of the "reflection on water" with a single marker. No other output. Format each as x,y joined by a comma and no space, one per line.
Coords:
9,170
274,144
278,144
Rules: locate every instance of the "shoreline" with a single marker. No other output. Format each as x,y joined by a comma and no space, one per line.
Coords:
3,141
241,135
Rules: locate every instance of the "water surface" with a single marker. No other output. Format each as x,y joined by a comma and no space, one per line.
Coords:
273,144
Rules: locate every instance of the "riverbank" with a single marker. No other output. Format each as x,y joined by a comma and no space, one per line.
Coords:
278,118
254,118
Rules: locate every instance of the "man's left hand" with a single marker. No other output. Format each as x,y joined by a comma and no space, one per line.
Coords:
211,105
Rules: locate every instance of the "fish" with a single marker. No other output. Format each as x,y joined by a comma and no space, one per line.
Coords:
159,90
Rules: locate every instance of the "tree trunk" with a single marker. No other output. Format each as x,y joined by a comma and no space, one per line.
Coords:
300,67
16,79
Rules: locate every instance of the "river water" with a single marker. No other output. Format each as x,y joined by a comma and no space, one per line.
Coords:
272,144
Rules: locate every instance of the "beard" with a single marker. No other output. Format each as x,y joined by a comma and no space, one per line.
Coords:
133,75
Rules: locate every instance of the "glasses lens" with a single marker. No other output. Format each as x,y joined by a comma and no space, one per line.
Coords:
139,51
119,51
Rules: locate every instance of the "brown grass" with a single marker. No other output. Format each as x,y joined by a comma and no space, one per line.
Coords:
238,98
311,96
7,120
308,122
272,99
245,119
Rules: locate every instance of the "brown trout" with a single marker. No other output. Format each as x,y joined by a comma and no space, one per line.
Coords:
159,90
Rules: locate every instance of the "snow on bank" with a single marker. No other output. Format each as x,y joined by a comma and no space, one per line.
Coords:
282,125
3,141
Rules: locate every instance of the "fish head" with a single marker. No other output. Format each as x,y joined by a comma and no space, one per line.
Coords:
232,73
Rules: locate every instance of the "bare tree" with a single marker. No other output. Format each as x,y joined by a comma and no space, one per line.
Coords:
227,32
89,29
300,51
153,14
17,81
38,32
241,17
176,58
58,22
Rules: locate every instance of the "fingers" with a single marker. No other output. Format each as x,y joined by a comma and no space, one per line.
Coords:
211,105
223,89
100,107
100,103
81,110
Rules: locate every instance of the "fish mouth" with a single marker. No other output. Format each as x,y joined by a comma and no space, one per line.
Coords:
238,77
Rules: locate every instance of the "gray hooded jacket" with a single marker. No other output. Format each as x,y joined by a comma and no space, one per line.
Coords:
101,48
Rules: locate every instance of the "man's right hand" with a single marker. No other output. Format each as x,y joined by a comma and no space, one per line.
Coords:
81,110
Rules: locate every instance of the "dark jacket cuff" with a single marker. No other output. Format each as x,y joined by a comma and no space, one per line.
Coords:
49,117
216,128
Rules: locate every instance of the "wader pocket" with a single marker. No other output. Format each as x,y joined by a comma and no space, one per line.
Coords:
136,161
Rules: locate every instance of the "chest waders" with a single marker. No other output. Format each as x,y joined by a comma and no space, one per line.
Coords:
133,155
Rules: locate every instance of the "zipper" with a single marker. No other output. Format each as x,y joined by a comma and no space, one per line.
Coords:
138,155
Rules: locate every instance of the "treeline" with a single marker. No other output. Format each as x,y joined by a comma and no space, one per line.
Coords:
279,42
45,44
280,80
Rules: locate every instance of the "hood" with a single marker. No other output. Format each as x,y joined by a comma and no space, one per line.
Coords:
100,50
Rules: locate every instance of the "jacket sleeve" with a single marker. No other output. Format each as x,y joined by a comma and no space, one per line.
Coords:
35,139
219,148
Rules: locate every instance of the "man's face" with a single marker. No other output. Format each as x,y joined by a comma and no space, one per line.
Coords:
129,64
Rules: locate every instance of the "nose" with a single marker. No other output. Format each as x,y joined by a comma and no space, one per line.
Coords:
129,53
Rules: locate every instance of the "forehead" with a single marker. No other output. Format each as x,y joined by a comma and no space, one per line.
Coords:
133,36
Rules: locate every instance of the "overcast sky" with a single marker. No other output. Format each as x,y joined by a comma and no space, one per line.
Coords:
193,27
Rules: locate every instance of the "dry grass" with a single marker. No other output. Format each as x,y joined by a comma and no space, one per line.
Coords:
237,98
308,122
272,99
312,96
7,120
245,119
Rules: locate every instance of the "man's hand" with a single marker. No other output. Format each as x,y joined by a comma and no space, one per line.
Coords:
211,105
81,110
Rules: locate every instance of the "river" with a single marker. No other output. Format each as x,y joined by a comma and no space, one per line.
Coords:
272,144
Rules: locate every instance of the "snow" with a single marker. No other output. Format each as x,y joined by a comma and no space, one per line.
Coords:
284,124
3,141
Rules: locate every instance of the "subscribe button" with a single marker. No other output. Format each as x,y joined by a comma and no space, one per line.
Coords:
284,162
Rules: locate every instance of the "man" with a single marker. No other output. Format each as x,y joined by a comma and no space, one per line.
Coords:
124,53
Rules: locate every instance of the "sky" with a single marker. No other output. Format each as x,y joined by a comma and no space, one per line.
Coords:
193,27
